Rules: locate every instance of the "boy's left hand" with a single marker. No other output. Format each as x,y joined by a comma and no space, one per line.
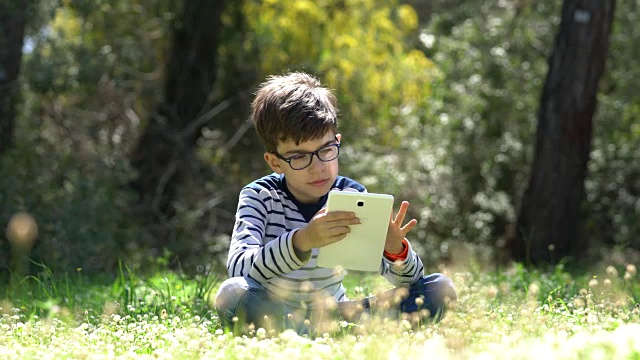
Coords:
397,232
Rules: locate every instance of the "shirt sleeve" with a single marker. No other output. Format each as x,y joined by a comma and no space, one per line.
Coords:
249,255
403,272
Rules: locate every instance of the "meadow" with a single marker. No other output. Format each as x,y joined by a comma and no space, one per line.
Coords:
509,313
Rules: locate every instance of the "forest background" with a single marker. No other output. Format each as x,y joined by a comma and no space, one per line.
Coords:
125,134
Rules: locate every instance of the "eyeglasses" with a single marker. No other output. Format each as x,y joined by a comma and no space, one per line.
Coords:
301,161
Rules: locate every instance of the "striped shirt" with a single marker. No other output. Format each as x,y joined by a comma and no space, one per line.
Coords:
262,247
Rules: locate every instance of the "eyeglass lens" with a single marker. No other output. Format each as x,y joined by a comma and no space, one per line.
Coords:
327,153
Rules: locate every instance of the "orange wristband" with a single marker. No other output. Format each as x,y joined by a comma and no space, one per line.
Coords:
402,255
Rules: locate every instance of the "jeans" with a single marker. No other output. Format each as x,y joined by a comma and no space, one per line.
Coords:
242,301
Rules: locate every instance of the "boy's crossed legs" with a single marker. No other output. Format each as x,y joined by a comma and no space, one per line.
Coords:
241,301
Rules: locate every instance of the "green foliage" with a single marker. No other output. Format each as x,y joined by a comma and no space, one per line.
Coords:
362,49
164,292
613,184
102,49
89,80
89,297
80,217
495,64
463,160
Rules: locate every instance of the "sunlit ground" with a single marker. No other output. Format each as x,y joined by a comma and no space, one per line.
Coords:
507,314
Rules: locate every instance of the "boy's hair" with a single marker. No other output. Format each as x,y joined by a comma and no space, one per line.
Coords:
293,107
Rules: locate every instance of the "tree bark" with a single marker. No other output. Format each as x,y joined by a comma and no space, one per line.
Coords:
548,225
167,143
12,27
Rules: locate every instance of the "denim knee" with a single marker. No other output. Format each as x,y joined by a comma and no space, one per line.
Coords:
435,291
247,302
230,295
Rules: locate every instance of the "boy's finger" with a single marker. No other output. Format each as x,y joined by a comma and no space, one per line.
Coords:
404,206
334,239
321,214
337,230
345,222
402,212
340,215
410,225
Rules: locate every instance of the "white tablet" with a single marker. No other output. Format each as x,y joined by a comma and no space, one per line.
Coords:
363,247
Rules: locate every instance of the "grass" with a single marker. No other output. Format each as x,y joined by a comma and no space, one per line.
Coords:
513,313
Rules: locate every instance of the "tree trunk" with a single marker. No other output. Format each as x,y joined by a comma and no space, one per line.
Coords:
12,26
166,146
548,225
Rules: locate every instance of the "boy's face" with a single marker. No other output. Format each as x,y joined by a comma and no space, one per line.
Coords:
308,185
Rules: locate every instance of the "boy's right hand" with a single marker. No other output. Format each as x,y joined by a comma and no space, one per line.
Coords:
323,229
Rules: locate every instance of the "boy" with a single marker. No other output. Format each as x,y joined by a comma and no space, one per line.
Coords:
281,222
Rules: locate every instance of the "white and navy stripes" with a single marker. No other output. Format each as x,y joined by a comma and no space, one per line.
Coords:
262,247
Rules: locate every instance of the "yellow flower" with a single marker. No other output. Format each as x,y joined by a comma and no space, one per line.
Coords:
408,18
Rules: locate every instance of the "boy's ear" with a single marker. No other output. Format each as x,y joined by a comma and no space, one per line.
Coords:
338,136
273,162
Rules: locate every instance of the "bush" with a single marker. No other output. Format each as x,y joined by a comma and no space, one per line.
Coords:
82,217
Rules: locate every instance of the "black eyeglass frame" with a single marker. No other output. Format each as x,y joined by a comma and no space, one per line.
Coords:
316,153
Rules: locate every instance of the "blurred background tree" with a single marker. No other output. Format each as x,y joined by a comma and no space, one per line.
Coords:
438,106
166,144
549,218
12,27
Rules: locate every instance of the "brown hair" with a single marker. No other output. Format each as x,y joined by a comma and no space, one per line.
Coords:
293,107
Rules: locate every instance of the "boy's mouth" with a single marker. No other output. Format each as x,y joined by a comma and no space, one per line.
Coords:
319,183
